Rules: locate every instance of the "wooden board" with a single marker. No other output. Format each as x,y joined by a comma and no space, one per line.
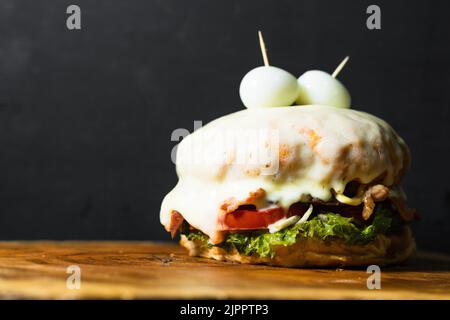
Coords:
162,270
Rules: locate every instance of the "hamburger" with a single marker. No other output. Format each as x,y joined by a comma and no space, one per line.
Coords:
294,186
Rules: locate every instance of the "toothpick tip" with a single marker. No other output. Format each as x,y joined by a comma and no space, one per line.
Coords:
340,67
263,48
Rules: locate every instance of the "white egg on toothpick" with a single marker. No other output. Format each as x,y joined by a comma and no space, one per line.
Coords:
268,86
321,88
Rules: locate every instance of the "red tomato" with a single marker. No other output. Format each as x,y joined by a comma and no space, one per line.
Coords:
243,219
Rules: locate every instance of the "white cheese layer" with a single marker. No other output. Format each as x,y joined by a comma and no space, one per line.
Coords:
267,156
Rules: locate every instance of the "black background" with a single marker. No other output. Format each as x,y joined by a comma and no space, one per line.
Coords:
86,116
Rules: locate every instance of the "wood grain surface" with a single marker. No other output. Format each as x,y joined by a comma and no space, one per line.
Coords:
128,270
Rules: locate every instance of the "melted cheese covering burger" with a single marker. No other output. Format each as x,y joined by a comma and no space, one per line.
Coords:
308,185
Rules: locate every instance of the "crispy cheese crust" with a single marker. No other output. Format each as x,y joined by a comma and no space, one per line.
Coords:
384,250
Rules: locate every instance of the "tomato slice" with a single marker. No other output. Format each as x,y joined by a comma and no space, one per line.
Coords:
244,219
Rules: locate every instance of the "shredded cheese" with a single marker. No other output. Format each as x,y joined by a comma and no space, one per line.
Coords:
286,222
283,223
356,201
305,217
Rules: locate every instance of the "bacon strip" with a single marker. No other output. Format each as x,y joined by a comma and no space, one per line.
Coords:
176,219
374,194
379,193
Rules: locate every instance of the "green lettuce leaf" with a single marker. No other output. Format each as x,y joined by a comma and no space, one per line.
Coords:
323,227
199,237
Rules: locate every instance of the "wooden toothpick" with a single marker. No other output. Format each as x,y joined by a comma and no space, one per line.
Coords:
263,49
340,67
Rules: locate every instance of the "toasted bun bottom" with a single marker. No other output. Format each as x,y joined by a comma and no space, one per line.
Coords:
385,249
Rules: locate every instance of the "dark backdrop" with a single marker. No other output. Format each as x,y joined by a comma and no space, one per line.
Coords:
86,116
